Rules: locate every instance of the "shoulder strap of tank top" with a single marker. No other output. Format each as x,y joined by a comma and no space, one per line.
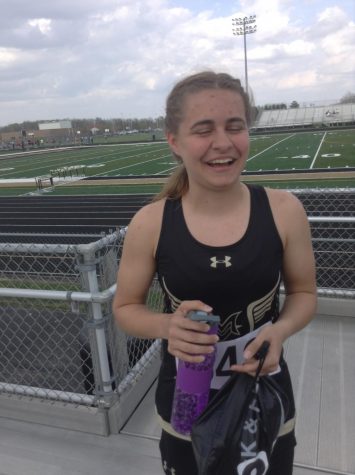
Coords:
261,209
169,217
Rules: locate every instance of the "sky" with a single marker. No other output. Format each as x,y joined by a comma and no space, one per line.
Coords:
120,58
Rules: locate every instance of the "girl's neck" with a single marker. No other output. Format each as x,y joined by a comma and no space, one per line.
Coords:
214,201
217,219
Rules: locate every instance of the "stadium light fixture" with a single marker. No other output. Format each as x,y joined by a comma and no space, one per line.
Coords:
243,27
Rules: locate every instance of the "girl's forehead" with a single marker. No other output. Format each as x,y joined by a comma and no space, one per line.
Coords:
211,94
210,101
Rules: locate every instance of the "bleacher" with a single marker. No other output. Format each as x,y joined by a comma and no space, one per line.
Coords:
306,117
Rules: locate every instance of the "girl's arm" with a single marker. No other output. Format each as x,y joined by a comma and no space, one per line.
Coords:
298,277
186,339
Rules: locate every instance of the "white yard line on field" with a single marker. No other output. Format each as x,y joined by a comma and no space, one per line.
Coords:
316,155
133,165
168,170
273,145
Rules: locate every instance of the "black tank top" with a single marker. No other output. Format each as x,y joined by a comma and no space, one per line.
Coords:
239,281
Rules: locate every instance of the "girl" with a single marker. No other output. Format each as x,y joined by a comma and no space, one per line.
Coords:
216,244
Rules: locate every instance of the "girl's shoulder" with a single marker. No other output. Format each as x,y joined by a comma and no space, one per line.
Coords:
146,223
283,201
288,212
149,213
152,207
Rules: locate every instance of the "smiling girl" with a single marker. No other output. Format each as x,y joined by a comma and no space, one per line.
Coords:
217,245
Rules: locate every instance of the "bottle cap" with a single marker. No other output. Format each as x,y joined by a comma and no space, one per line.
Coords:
200,316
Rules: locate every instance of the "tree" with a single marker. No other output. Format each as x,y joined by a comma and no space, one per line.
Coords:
294,105
348,98
274,107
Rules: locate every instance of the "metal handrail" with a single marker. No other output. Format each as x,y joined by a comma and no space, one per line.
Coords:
63,295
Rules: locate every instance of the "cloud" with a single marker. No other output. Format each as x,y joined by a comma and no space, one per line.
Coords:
332,16
43,25
294,49
121,57
7,56
298,80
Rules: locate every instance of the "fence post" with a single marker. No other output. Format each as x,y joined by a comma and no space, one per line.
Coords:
97,335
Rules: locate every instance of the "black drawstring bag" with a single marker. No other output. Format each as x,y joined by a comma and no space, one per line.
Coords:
236,432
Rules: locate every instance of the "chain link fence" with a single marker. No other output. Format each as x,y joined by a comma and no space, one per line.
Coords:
328,201
59,341
331,214
58,338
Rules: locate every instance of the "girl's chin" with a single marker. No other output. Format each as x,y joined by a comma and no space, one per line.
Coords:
224,174
223,183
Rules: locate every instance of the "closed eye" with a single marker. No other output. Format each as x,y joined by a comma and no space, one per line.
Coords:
203,127
236,129
236,125
203,131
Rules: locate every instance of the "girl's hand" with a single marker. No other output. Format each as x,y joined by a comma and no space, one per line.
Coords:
187,339
271,363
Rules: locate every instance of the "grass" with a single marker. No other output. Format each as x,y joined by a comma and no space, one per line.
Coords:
302,151
284,151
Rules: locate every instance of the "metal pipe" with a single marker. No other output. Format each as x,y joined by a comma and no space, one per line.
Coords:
52,394
63,295
331,219
106,295
41,248
245,59
321,469
131,378
101,343
243,28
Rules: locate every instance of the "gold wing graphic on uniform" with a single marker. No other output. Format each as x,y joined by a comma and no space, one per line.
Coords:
174,301
230,326
256,310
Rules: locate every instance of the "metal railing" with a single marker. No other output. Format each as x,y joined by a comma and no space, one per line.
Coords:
59,342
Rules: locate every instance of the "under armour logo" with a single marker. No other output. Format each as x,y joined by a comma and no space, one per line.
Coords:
226,261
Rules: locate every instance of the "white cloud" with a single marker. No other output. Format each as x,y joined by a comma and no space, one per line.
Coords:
298,80
332,15
89,58
43,24
7,56
297,48
340,45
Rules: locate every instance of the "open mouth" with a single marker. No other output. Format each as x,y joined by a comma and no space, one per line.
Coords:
221,162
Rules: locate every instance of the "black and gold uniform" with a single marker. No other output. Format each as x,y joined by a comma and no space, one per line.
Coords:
240,282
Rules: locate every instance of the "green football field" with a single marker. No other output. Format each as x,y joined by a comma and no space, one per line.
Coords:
268,153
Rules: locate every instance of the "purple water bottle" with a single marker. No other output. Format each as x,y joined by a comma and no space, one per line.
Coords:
193,382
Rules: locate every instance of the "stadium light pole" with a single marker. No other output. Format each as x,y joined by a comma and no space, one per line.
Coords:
243,27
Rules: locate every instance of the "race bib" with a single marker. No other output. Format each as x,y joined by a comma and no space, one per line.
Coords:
229,353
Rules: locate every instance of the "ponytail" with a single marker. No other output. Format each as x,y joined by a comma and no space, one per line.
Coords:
176,186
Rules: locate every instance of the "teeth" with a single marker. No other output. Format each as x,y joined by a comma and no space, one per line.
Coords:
221,161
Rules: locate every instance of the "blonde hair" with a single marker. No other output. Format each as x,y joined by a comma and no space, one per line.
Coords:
178,183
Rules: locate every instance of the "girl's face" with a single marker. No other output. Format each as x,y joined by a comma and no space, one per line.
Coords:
212,139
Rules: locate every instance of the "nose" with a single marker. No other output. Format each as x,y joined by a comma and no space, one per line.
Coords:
221,140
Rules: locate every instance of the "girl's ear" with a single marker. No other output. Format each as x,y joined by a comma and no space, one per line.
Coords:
171,138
